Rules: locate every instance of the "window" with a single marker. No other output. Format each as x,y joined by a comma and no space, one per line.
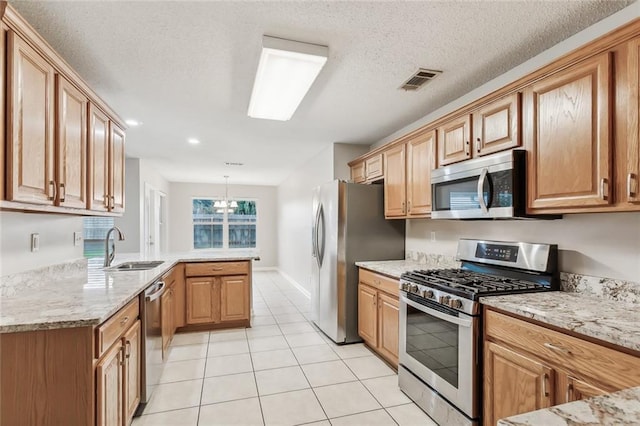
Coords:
95,229
224,228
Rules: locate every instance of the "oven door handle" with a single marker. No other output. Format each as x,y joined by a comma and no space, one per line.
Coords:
449,318
481,181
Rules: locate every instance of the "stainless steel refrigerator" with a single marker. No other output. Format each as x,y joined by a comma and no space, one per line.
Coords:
348,226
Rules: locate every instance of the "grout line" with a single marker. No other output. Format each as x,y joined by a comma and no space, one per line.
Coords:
203,378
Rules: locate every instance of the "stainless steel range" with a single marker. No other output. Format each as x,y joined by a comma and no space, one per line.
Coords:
440,322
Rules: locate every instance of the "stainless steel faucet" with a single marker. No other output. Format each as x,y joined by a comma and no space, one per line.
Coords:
108,257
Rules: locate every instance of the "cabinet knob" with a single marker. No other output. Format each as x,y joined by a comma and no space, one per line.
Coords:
603,183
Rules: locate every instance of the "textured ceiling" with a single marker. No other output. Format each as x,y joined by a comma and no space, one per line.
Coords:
186,69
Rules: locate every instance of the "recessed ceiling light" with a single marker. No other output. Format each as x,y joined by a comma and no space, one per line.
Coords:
133,123
286,71
193,141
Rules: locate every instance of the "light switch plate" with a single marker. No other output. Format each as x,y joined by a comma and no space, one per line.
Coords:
35,242
77,238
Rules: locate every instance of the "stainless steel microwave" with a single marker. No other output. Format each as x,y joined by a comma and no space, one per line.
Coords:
491,187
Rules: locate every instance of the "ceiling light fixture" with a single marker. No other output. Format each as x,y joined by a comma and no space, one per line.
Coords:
222,205
193,141
286,71
133,123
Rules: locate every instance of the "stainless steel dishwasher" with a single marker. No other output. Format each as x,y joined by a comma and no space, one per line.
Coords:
152,363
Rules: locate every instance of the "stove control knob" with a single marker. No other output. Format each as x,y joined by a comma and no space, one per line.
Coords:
444,300
428,294
405,286
455,303
413,288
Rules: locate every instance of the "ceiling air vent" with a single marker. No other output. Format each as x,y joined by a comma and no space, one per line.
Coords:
233,163
419,79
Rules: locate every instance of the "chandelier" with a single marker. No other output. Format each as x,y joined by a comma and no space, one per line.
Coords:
222,205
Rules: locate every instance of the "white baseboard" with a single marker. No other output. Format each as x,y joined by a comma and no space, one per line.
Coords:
294,283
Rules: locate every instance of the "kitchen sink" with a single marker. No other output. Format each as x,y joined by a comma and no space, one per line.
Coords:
136,266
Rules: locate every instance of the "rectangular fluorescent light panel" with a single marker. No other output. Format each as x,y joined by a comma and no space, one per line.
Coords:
286,71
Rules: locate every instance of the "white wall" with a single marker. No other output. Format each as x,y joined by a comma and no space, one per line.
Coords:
56,240
181,224
295,210
602,244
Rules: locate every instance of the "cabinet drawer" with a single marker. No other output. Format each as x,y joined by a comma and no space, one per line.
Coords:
207,269
386,284
583,358
113,328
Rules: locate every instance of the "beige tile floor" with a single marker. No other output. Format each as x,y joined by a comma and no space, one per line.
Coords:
282,371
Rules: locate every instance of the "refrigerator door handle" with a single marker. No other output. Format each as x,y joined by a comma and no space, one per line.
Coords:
314,238
319,241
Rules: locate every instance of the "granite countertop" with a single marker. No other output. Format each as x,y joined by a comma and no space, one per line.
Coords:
618,408
607,320
391,268
82,293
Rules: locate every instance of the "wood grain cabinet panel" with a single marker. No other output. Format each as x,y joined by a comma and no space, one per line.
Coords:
496,126
180,297
234,298
132,371
30,125
568,137
98,160
394,182
514,384
166,320
420,162
71,145
577,389
201,300
454,140
374,167
388,326
110,387
358,172
116,168
632,175
367,315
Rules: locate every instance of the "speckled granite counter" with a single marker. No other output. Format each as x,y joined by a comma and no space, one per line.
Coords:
82,293
610,321
618,408
395,268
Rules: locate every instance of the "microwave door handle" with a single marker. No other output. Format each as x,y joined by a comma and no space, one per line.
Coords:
481,181
441,315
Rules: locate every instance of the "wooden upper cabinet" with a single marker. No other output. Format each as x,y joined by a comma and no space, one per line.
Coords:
454,140
496,126
514,384
568,137
420,162
394,182
98,159
374,167
234,298
71,144
116,167
632,175
358,172
30,123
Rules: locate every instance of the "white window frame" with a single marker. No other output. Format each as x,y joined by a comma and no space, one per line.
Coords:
225,224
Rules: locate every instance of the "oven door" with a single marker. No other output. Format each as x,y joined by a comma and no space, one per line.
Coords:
439,345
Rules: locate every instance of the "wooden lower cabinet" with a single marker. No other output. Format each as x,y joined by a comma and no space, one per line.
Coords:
528,366
234,298
110,387
378,314
132,370
166,320
202,293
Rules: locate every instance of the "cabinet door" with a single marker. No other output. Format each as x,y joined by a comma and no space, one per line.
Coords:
234,298
568,138
202,303
578,389
110,387
30,122
420,162
166,320
388,327
394,182
98,160
132,366
71,145
179,297
514,383
358,173
454,138
374,167
116,167
496,126
367,315
632,176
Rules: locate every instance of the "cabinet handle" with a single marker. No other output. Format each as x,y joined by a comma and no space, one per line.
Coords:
403,207
557,348
128,349
409,205
63,192
105,200
603,182
124,320
122,356
478,147
569,392
545,388
113,202
630,177
52,187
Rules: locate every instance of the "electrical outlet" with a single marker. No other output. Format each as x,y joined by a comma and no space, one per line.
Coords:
433,236
77,238
35,242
